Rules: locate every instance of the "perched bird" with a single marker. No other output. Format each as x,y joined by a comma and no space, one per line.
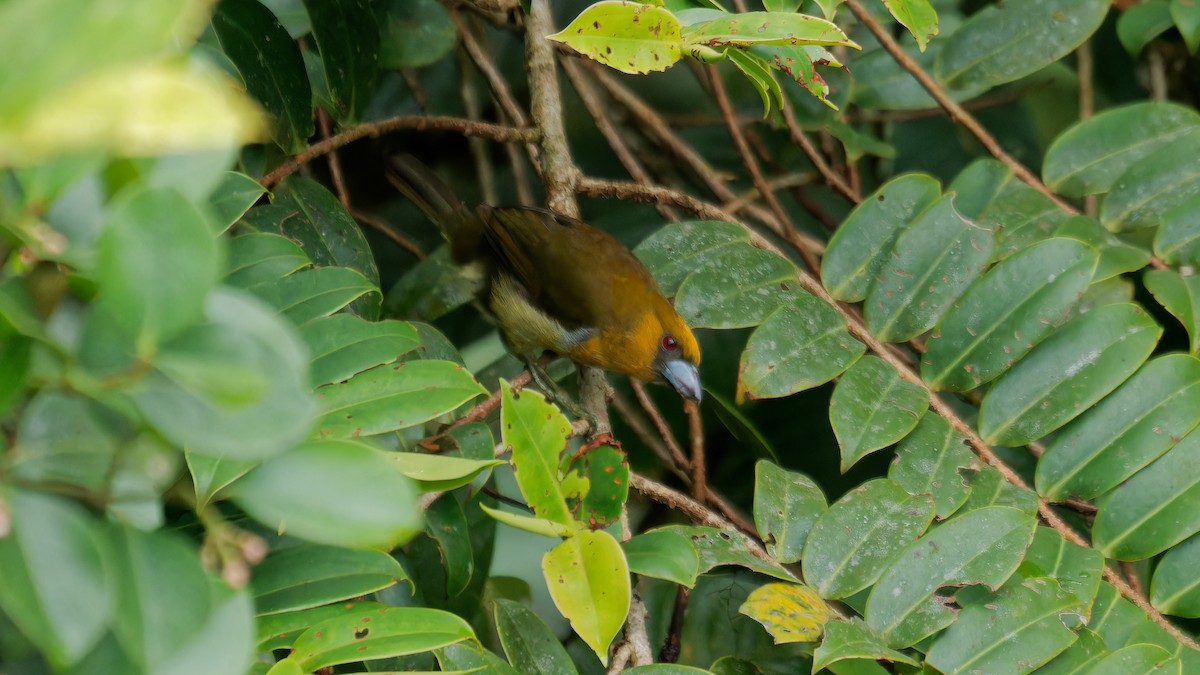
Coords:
556,284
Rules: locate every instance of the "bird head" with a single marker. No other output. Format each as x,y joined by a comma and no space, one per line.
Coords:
678,357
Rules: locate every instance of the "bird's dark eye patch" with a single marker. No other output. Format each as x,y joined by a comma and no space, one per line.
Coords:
669,343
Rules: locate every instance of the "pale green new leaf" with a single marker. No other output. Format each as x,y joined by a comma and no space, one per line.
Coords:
588,579
628,36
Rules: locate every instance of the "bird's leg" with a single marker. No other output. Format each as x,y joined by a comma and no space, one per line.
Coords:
556,393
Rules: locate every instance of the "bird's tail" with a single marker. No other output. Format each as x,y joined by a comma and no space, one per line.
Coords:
461,227
417,182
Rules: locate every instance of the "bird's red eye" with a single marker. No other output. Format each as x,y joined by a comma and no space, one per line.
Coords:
669,343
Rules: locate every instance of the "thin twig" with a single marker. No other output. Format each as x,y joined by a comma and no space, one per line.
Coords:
656,418
466,127
818,161
696,434
335,166
381,226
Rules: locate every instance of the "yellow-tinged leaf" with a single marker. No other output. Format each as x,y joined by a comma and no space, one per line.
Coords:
632,37
789,612
588,578
145,110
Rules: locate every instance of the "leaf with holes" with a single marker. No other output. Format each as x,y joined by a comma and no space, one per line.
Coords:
786,504
375,634
928,462
984,546
537,433
628,36
873,407
606,470
765,28
1010,309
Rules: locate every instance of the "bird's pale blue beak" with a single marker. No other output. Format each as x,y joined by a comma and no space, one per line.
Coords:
684,376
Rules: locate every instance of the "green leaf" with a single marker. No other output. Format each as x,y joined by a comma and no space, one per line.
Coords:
260,257
1137,658
716,547
981,546
542,526
1077,569
861,245
171,616
786,504
1017,629
928,462
1000,318
789,612
1124,432
537,433
212,474
309,575
1180,296
66,438
447,524
271,66
1155,509
799,63
1067,373
347,37
414,33
1177,240
441,472
850,640
528,641
1087,650
430,289
1003,43
739,425
240,336
628,36
1089,157
663,554
606,470
873,407
1116,256
394,396
676,249
279,631
918,16
343,345
1152,187
852,543
765,28
54,586
990,488
1175,588
1139,24
737,289
376,634
588,579
157,261
1186,15
800,346
311,294
932,263
233,197
341,493
466,657
320,224
991,194
758,71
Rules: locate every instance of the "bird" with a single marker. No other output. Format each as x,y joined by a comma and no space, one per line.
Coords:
555,284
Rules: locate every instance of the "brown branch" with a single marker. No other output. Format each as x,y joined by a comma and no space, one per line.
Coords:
696,434
656,418
818,161
466,127
559,172
379,225
952,107
335,167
